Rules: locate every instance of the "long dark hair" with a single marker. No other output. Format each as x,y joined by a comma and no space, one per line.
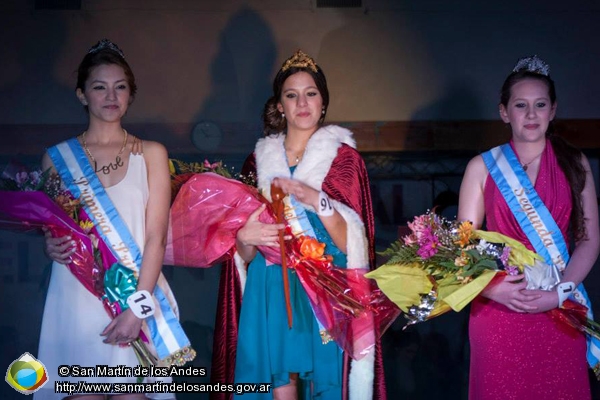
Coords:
569,157
273,122
104,53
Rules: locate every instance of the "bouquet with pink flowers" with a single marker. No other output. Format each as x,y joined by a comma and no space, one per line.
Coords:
206,215
36,200
182,171
33,201
442,265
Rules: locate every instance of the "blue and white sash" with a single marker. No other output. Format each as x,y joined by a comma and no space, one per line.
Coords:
295,215
171,344
536,221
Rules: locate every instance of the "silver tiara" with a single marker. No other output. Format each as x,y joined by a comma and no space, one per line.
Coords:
106,44
532,64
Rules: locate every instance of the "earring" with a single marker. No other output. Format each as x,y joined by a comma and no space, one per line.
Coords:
323,111
282,115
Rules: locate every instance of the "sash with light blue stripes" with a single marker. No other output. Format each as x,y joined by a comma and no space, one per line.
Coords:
536,221
171,344
295,215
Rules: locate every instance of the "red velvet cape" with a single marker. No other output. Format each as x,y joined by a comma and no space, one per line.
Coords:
347,182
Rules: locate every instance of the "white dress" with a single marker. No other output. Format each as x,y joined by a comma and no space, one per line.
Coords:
74,318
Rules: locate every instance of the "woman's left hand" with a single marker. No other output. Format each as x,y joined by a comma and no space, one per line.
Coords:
123,329
547,300
304,193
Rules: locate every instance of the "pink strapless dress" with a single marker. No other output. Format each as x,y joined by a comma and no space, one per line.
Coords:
526,356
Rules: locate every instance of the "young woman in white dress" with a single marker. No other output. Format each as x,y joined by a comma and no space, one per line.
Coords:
76,329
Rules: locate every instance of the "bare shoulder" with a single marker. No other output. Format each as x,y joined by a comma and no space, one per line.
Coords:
156,158
154,150
476,170
476,163
471,198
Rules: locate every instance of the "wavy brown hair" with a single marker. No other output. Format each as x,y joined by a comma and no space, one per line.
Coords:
569,157
273,122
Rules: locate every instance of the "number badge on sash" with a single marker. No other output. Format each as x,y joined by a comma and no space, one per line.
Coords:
141,304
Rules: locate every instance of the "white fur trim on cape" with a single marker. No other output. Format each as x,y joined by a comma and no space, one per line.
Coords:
362,374
356,239
321,150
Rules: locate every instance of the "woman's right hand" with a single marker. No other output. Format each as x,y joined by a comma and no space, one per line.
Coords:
507,290
59,249
256,233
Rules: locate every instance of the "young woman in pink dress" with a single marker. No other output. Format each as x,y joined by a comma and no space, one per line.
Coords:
517,350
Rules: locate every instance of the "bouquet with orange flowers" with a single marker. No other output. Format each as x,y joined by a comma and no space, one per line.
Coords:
207,213
347,304
443,265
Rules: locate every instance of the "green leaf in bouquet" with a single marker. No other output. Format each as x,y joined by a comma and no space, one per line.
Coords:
394,248
403,255
469,271
449,265
474,254
486,263
399,253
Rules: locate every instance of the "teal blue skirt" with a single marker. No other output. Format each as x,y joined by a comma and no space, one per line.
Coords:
268,351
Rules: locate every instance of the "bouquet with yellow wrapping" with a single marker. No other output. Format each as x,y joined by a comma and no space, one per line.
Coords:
442,265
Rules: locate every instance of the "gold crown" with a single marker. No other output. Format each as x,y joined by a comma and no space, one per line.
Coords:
299,60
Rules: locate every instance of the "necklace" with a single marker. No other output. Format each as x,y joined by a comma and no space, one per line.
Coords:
106,169
526,165
297,157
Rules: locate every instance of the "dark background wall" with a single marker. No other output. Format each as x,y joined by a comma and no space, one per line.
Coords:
417,82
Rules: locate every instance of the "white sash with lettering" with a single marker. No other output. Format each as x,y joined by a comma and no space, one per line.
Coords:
167,336
295,215
536,221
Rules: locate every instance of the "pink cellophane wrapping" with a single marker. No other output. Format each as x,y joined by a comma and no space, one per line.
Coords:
352,309
207,213
30,211
205,217
26,211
